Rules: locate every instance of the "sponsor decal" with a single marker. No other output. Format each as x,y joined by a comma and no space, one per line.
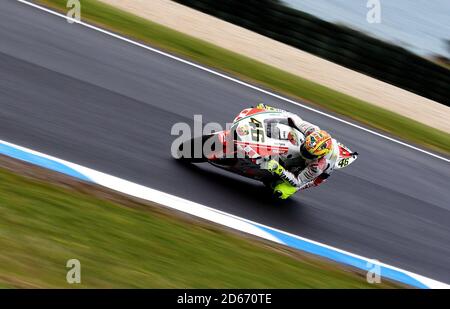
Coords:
243,130
293,138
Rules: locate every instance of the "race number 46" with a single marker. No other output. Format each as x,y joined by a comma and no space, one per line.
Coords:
257,130
343,163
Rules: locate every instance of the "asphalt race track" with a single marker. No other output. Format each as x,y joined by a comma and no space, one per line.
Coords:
85,97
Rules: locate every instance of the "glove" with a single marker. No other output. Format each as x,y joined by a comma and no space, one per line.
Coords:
274,167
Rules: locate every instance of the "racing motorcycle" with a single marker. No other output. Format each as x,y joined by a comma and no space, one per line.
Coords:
255,136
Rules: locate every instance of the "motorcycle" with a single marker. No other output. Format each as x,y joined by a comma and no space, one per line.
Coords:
255,136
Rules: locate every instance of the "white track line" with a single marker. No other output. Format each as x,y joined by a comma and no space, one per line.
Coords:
232,79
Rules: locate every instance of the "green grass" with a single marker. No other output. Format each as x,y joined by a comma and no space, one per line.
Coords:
42,225
259,73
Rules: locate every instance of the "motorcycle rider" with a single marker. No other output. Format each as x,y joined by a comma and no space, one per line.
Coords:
319,153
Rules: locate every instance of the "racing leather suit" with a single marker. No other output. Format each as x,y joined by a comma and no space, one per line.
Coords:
315,171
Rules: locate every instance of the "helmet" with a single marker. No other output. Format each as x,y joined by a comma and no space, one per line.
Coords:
316,145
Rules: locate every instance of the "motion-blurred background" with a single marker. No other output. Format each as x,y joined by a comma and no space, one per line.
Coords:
408,48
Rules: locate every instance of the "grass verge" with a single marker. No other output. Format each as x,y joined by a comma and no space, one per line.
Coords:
256,72
47,218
